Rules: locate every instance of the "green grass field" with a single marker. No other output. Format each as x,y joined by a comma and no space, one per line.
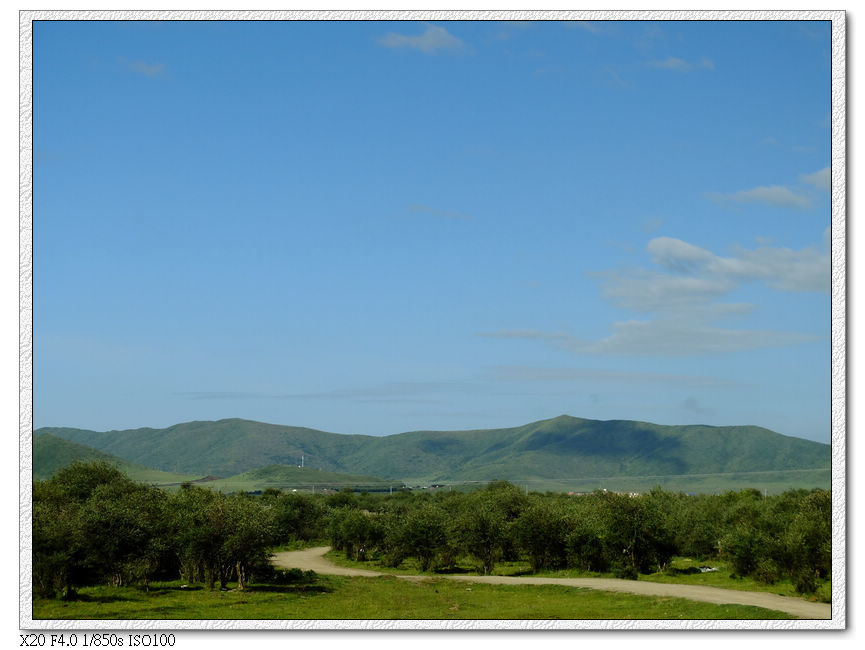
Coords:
770,482
306,479
721,578
385,598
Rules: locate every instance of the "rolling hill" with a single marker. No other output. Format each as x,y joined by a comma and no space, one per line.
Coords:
51,453
559,448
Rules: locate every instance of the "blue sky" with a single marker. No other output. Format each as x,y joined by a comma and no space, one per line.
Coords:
373,227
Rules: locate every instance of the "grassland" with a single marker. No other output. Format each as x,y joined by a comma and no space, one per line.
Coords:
306,479
681,571
770,482
385,598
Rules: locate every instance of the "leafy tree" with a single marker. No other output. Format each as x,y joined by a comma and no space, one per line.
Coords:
57,542
297,516
248,535
355,532
541,532
636,540
423,534
199,521
807,541
483,523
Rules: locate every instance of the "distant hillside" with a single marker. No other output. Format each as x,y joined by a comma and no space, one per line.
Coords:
223,448
51,453
562,447
285,477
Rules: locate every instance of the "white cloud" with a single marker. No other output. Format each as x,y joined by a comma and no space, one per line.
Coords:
680,65
821,179
780,268
643,290
683,300
776,195
433,39
671,337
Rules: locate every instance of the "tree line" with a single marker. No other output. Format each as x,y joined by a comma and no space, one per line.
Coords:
93,525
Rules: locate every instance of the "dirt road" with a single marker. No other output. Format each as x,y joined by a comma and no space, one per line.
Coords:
313,559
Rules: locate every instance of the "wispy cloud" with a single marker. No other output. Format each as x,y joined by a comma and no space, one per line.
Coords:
673,335
651,36
677,336
510,28
147,69
586,25
780,268
610,75
413,392
433,40
777,195
558,339
821,179
680,65
681,301
579,375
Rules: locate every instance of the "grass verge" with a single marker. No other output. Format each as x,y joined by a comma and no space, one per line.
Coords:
384,598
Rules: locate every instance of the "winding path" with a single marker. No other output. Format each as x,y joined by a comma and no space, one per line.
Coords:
313,559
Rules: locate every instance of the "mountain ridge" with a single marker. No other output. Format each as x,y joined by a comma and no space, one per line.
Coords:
563,446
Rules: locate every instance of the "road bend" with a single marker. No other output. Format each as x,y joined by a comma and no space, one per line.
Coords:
312,559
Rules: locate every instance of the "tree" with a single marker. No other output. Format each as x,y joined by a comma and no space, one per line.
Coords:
248,535
296,516
199,522
541,532
57,543
482,524
80,534
423,534
636,540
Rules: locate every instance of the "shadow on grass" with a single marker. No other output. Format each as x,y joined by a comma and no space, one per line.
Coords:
452,571
673,571
99,598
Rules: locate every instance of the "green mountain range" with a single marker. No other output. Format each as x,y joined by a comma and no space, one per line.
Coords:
550,450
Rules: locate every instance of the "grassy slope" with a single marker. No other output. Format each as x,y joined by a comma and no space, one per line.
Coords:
51,453
563,447
285,476
221,448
